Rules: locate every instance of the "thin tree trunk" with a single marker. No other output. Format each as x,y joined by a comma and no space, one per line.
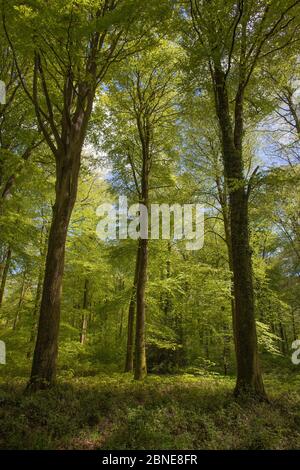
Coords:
20,303
226,349
131,315
4,274
167,306
84,323
140,370
206,342
284,342
84,326
2,264
294,325
121,324
130,333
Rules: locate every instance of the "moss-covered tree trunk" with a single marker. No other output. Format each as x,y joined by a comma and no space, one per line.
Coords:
249,378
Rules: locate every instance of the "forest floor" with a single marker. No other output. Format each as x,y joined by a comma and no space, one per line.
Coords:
111,411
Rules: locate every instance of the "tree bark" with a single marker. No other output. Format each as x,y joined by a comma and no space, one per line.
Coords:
131,315
249,378
45,354
4,274
140,347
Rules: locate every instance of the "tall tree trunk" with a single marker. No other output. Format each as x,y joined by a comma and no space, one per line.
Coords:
140,370
249,378
45,354
131,315
140,348
64,132
84,323
4,274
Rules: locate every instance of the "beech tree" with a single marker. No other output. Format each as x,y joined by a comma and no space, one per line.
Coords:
144,97
71,49
231,40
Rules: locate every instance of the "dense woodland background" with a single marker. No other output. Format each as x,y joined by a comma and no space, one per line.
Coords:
163,102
